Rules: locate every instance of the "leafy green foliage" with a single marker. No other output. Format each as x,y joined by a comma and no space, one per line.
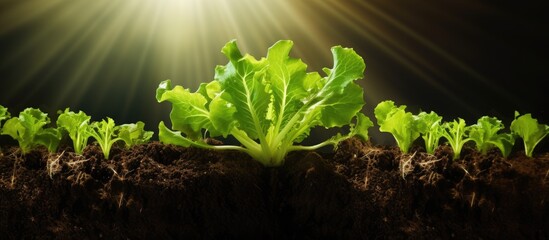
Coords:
395,120
104,133
485,135
267,104
4,114
456,132
28,129
134,133
430,128
360,130
529,130
77,126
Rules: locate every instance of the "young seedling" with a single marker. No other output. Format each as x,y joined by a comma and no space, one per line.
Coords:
395,120
430,128
77,125
28,129
456,133
134,133
267,104
485,135
104,133
4,114
529,130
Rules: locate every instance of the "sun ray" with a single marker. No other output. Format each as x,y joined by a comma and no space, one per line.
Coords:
105,56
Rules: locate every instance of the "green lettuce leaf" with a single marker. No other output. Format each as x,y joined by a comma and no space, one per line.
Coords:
267,104
429,126
529,130
134,133
29,130
401,124
77,126
4,114
485,134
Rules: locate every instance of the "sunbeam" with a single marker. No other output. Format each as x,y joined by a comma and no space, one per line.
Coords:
106,57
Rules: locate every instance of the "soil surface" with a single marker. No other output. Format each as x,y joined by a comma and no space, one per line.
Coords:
360,191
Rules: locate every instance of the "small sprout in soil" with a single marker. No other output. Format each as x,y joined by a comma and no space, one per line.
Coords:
456,132
104,133
429,126
529,130
28,129
267,104
485,135
77,126
134,133
395,120
4,114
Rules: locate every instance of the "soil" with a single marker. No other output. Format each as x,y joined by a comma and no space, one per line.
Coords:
360,191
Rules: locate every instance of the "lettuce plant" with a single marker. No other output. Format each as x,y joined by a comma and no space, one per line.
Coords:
529,130
267,104
104,133
77,126
395,120
456,132
134,133
4,114
430,128
485,135
28,129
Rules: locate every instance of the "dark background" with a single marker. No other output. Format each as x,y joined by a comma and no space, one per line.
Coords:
458,58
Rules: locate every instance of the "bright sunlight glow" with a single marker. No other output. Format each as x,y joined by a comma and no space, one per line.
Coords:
106,56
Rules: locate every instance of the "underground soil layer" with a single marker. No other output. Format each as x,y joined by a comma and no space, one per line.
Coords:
359,191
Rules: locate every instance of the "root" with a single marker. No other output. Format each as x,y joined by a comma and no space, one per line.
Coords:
17,158
371,153
427,165
121,200
466,172
75,165
13,174
368,156
406,166
79,177
431,179
115,173
473,199
121,177
53,165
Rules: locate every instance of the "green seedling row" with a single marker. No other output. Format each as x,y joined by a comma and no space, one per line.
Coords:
32,129
486,133
270,105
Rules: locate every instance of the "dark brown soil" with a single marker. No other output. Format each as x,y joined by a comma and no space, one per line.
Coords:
158,191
